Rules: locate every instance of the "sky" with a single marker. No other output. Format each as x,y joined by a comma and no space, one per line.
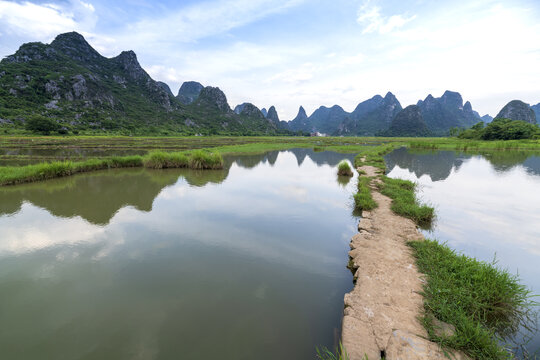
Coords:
289,53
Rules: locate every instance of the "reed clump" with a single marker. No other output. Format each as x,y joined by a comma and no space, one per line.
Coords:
344,169
164,160
485,304
200,159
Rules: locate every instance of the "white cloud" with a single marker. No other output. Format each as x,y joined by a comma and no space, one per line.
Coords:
43,21
370,16
195,22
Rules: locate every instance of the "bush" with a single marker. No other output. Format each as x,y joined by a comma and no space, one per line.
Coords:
41,124
501,129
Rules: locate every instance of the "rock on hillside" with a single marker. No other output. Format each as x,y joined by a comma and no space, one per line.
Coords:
326,119
536,109
300,122
408,122
272,115
248,109
189,92
371,116
487,118
517,110
213,97
165,87
448,111
238,108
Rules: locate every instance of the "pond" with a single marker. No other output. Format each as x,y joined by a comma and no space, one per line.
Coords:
487,206
248,262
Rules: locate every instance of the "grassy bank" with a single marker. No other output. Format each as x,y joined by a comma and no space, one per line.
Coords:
473,145
363,199
484,303
198,159
405,203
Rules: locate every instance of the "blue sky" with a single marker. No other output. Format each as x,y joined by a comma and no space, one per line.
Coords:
289,53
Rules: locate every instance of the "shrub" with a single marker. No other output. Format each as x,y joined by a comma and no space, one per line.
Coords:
41,124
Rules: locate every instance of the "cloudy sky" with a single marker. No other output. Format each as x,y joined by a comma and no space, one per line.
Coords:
289,53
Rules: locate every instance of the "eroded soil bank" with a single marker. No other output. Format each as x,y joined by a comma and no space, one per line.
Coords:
381,312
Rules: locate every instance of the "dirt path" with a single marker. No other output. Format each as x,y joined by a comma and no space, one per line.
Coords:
381,312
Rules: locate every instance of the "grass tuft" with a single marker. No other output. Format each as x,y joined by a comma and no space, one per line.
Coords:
404,201
363,200
339,354
485,304
200,159
163,160
344,169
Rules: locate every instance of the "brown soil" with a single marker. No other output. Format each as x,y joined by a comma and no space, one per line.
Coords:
381,312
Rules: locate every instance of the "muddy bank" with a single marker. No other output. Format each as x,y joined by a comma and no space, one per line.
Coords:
381,312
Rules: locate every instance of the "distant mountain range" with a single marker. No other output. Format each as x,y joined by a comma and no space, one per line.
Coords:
72,84
375,116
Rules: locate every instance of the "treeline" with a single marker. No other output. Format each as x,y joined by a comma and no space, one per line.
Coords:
499,129
43,125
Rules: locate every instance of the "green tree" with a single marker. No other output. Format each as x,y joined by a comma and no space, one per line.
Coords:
41,124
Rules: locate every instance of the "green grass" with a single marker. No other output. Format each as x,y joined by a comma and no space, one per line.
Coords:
162,160
374,156
473,145
404,201
363,200
198,159
11,175
344,169
339,354
485,303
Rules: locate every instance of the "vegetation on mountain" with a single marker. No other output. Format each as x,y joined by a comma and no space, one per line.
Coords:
408,122
71,84
189,92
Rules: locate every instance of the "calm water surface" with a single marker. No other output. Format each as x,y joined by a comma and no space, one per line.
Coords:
243,263
487,206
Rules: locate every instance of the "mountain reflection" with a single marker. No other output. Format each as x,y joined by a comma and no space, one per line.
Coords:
97,196
439,164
